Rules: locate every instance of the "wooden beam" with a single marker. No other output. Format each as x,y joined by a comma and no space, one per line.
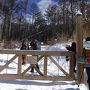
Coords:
79,38
11,60
34,52
45,65
26,70
52,78
9,76
19,66
37,69
58,66
40,58
71,70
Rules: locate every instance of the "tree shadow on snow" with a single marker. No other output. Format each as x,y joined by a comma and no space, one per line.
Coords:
5,61
38,83
72,89
20,89
8,67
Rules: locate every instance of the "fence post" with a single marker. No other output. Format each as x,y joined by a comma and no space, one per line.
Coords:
79,38
45,65
19,66
71,65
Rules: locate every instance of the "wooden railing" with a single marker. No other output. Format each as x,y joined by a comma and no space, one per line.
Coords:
45,55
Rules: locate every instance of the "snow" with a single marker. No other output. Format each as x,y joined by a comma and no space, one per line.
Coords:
17,84
79,12
43,4
86,44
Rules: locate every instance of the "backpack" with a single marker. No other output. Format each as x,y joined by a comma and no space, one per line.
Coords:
38,46
35,45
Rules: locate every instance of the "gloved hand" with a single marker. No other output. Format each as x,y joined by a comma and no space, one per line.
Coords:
67,46
67,59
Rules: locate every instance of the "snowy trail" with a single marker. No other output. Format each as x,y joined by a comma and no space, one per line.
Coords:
11,84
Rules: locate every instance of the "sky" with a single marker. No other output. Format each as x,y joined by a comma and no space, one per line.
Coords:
43,4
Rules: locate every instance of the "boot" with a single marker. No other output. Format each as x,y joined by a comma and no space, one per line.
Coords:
67,59
32,70
23,63
37,66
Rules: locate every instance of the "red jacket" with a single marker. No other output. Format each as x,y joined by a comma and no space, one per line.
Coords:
73,47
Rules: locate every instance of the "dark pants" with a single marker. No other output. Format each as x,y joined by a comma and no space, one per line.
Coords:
74,62
32,69
88,74
67,59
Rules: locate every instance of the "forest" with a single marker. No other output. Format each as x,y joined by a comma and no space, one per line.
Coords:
58,20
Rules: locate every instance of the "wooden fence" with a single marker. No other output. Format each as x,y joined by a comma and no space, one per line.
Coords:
46,55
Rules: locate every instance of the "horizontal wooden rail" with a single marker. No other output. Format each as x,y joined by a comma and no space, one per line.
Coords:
36,52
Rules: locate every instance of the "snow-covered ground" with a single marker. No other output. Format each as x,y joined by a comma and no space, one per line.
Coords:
14,84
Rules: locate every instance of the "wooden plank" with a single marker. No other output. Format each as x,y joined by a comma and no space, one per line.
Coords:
19,66
11,60
79,38
26,70
71,70
1,47
45,65
58,66
36,52
50,78
9,76
40,58
37,69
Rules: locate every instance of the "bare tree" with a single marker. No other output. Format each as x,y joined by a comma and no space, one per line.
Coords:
11,9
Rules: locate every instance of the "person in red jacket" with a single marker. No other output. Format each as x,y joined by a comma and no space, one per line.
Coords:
73,49
24,47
